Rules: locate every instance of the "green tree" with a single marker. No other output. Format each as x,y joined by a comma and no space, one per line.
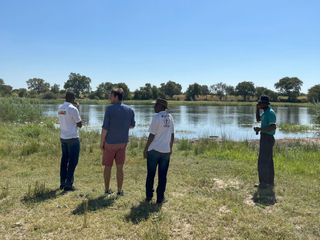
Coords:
314,93
38,85
103,90
55,88
205,90
5,90
1,81
193,91
147,92
155,92
170,89
219,89
144,93
80,84
265,91
245,89
289,86
22,92
230,91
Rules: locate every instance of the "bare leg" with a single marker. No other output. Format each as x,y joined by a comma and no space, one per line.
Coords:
107,176
120,177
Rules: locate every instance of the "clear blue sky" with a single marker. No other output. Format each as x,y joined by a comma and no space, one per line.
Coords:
139,41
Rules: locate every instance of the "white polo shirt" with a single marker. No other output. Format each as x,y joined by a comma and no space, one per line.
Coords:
162,126
68,117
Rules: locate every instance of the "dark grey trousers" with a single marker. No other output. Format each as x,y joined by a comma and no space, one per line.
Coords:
265,161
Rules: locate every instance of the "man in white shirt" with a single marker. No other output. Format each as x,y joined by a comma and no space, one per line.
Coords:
158,149
70,121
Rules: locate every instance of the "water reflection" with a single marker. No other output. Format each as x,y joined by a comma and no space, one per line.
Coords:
234,122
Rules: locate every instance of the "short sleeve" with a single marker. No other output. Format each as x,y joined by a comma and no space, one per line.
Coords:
272,118
153,129
75,115
106,119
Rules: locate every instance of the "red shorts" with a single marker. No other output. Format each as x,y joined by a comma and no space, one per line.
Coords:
115,152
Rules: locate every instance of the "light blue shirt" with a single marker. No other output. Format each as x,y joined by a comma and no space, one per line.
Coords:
118,119
268,118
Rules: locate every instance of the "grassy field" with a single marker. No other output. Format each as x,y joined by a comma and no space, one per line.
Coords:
210,191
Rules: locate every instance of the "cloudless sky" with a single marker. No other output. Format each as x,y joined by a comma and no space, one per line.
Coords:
140,41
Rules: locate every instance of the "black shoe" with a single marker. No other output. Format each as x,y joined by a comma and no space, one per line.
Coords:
148,199
161,201
61,187
120,193
69,188
108,192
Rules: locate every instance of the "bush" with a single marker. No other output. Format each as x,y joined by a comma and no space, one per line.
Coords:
30,148
20,110
31,131
184,145
317,116
49,95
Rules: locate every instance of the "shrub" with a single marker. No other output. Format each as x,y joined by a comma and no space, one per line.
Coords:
30,148
20,110
49,95
184,145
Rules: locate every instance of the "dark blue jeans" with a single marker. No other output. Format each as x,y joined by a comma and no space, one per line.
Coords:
265,161
69,160
161,160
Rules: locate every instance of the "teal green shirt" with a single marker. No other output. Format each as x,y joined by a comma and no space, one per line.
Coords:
268,117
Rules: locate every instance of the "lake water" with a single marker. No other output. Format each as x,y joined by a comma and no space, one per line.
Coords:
192,122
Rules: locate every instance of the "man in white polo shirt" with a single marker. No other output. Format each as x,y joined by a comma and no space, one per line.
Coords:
70,121
158,149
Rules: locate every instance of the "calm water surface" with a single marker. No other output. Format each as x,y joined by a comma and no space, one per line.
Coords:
232,122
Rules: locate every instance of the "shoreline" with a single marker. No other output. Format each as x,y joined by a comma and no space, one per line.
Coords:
174,103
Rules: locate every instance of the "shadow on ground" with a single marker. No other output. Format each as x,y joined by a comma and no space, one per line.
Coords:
264,197
142,212
94,204
42,196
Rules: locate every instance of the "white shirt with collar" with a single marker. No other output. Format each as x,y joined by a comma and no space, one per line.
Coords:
68,117
162,126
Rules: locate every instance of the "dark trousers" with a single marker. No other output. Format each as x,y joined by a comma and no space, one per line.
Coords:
265,161
69,160
161,160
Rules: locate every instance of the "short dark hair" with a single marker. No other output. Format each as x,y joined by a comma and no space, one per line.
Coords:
70,96
118,92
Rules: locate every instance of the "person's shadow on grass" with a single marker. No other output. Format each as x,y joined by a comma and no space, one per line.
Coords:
94,204
142,212
264,196
41,196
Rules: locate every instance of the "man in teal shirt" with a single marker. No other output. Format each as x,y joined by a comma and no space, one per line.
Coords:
267,141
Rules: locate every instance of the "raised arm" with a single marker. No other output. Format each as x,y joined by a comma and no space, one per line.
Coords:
258,116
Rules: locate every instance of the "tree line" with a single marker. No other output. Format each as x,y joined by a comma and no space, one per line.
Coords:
288,89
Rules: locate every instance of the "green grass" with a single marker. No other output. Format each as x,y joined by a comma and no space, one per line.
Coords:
210,191
288,127
20,110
